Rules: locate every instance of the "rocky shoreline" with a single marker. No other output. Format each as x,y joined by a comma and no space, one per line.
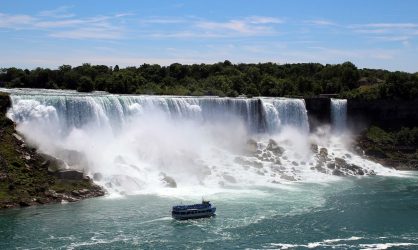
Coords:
28,178
377,145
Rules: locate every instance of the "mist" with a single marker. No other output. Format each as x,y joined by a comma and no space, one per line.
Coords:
136,144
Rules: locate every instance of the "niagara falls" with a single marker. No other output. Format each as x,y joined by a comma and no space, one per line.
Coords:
209,124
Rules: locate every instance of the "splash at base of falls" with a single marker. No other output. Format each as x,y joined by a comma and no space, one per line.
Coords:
140,144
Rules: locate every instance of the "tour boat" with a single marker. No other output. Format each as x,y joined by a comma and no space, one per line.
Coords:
195,211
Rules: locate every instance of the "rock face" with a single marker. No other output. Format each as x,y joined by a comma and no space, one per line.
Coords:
319,110
386,114
29,178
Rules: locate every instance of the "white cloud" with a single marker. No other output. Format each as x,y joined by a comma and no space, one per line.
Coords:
96,27
264,20
392,25
321,22
16,21
162,20
249,26
89,33
60,12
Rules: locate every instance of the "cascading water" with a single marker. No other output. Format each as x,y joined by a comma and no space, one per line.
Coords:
143,143
285,112
339,115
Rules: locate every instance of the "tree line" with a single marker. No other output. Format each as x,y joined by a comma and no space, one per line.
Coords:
221,79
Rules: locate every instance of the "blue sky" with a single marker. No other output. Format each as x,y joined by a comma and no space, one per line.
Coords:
369,33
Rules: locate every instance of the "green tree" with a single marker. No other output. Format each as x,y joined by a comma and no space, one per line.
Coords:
85,84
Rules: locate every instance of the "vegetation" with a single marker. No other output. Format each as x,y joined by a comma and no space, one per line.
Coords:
403,137
222,79
398,149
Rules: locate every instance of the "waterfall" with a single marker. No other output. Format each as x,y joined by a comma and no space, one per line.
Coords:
339,115
282,112
135,143
70,110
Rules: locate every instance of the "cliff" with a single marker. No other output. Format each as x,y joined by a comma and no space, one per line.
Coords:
28,178
319,111
385,113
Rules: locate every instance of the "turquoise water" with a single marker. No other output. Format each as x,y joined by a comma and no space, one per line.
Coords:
351,213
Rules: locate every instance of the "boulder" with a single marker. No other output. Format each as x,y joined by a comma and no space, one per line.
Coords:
25,203
275,148
288,177
323,155
53,164
337,172
340,163
314,148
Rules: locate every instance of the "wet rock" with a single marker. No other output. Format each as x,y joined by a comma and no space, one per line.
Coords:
75,193
52,193
319,168
337,172
69,198
25,203
18,137
275,148
69,174
53,164
288,177
323,156
314,148
323,152
331,165
83,191
340,163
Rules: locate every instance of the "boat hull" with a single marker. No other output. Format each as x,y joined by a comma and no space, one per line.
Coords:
197,215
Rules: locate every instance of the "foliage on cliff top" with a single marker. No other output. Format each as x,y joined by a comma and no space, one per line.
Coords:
224,78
